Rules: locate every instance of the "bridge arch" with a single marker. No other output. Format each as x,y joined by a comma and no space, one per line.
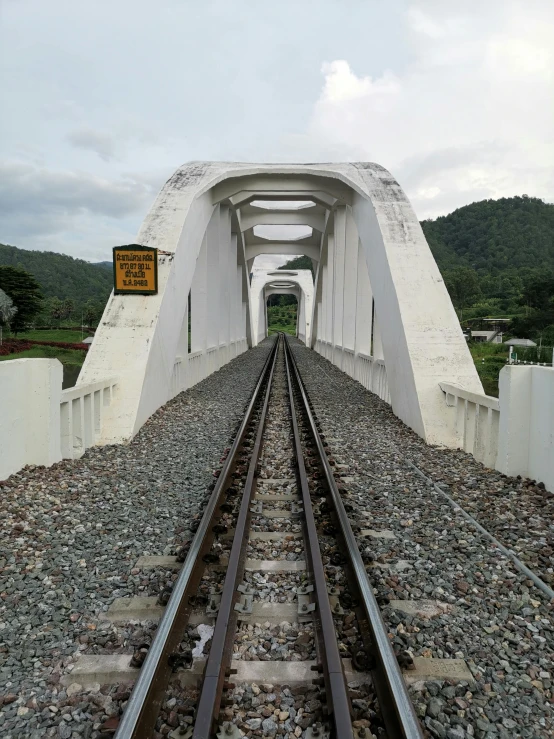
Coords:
282,282
378,292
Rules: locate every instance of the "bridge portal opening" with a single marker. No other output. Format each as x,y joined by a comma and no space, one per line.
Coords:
282,314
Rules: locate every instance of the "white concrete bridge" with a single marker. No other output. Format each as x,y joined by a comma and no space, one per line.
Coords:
378,309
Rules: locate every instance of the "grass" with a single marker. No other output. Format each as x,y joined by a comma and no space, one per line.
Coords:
285,328
71,337
66,356
489,360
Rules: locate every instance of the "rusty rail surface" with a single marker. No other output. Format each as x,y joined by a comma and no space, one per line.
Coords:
397,709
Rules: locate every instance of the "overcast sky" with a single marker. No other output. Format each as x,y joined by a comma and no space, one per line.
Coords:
102,99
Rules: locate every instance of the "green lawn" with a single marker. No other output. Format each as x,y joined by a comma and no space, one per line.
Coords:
285,328
66,356
71,337
489,360
71,359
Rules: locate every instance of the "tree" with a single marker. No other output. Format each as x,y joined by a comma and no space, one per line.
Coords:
463,285
539,293
54,308
92,312
302,262
24,291
7,309
68,308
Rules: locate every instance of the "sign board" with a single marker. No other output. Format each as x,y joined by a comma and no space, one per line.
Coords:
135,270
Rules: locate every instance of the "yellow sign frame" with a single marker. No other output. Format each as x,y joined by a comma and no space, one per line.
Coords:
135,270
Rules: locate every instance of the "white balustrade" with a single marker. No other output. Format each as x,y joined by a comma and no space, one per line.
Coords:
190,370
477,422
368,371
81,415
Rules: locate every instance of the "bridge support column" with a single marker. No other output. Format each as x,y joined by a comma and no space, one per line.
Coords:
364,306
329,319
323,317
338,284
199,301
226,262
213,293
349,294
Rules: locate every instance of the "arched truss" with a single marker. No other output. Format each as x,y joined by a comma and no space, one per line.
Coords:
381,313
283,282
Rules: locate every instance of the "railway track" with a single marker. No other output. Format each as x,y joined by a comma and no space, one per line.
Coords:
275,556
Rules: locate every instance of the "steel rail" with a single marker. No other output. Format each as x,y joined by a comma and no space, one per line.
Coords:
220,651
397,709
337,689
142,710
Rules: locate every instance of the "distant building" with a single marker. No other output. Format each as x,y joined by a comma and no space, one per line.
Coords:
520,342
489,329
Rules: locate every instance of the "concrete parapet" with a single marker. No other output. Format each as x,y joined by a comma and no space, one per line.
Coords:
526,432
30,416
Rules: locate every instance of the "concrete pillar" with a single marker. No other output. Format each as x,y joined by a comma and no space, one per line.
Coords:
199,301
330,289
301,315
213,280
226,262
183,344
238,332
364,305
350,283
30,416
338,281
323,325
377,341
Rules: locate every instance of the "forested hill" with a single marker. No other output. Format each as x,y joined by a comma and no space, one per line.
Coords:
61,276
492,236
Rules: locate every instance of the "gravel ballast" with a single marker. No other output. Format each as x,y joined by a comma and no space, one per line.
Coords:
488,613
72,533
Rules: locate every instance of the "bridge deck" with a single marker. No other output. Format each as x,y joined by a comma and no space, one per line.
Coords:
73,533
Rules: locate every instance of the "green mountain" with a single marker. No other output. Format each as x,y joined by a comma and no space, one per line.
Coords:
493,236
62,276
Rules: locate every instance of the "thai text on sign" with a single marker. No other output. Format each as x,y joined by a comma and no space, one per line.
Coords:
135,269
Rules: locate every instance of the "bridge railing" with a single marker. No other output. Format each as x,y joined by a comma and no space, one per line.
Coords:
81,415
194,367
368,371
477,422
514,433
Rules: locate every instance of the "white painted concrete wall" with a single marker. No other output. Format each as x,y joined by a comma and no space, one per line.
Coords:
526,432
260,290
513,433
30,415
39,422
355,204
138,338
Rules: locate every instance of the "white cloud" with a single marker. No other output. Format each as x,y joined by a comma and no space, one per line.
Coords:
268,261
470,117
100,143
454,98
341,84
74,212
